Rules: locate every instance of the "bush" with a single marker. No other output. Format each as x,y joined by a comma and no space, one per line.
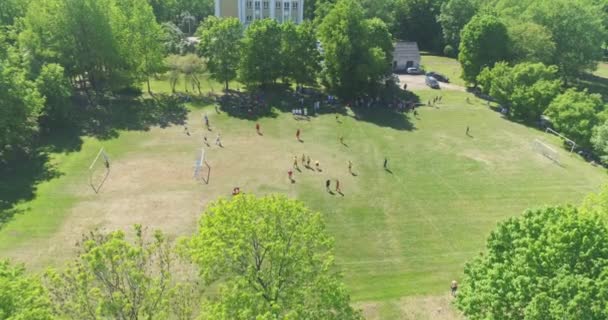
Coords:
449,51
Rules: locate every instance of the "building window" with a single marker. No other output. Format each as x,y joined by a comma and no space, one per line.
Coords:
249,4
295,5
248,18
265,4
278,5
257,5
286,5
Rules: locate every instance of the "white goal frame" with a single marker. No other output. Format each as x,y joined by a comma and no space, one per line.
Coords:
106,159
571,142
544,149
198,166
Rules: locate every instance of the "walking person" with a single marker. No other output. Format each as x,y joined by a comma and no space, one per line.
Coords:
317,165
385,163
205,141
338,190
298,134
468,130
327,184
218,140
290,174
350,167
206,121
308,162
341,139
295,162
303,160
257,127
454,287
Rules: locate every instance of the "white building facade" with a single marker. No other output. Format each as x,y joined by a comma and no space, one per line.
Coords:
250,10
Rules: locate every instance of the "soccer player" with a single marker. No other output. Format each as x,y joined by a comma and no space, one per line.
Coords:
327,184
454,287
338,186
468,130
303,159
317,164
385,163
257,127
218,141
290,174
350,167
308,162
298,134
295,162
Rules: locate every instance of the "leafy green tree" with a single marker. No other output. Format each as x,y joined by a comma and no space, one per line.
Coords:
416,20
484,41
455,14
272,259
23,297
301,58
527,88
577,31
599,141
116,278
20,107
164,10
261,60
596,204
356,58
11,9
575,114
547,264
56,89
531,42
220,44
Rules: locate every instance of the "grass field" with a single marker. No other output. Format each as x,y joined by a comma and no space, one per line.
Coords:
401,235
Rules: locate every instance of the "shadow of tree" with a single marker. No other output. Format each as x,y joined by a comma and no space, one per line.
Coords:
19,180
594,84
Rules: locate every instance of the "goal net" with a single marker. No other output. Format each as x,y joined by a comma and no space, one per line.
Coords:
202,170
99,170
569,142
544,149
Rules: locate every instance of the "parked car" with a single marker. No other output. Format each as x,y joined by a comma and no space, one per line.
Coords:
438,77
432,82
414,70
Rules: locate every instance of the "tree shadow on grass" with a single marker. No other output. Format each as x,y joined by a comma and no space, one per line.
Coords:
594,84
19,180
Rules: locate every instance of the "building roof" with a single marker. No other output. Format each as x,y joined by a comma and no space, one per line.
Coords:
407,49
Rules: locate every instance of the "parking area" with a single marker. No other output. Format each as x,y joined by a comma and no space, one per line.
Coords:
416,82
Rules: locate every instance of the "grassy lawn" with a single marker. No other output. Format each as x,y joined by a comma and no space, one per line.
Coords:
444,65
400,234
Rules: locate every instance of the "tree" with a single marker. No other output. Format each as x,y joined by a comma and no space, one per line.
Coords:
356,57
56,89
261,60
272,260
577,30
20,107
23,297
596,204
416,20
531,42
599,141
11,9
575,113
484,41
300,53
455,14
547,264
164,10
527,88
220,44
115,278
191,66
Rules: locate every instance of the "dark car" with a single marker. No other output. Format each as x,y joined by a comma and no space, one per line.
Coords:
438,76
414,70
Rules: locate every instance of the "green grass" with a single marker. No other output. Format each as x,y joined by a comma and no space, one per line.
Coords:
444,65
400,233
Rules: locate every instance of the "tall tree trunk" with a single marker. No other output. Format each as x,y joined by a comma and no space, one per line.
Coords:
226,82
149,90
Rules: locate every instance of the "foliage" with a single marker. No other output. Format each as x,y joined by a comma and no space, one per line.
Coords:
23,297
272,258
548,264
355,50
596,203
577,30
599,141
20,107
527,88
104,44
220,44
12,9
56,89
455,14
531,42
300,54
261,60
575,113
416,20
484,41
190,66
115,278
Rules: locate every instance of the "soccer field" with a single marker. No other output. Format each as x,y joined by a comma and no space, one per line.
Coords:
406,231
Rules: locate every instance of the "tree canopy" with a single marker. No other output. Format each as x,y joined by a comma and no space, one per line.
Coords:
220,44
272,259
550,263
454,15
23,297
357,54
261,61
484,41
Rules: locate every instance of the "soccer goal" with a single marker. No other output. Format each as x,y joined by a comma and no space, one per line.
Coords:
569,142
99,170
202,170
544,149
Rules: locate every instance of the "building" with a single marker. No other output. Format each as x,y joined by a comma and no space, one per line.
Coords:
406,55
249,10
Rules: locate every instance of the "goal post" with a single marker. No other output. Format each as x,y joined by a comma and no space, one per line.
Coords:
570,142
202,170
544,149
99,170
